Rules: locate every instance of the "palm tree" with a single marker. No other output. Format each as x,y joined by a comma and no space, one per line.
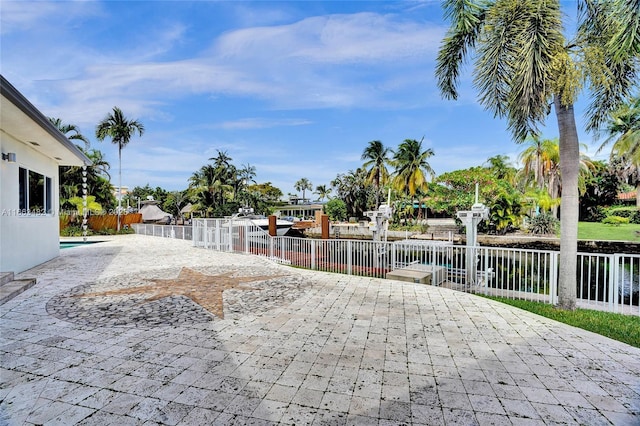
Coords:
222,160
352,188
302,185
412,167
323,192
244,177
623,130
523,63
377,156
540,159
117,127
98,162
75,135
501,167
247,174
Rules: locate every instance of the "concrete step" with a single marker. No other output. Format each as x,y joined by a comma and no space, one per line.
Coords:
6,277
11,289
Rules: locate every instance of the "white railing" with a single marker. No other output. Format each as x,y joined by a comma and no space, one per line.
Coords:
605,281
169,231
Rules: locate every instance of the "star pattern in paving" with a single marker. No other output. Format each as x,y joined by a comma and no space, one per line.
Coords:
205,290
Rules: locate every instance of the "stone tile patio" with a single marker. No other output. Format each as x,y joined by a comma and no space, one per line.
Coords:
101,341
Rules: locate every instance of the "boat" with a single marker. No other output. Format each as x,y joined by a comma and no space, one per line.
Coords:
262,222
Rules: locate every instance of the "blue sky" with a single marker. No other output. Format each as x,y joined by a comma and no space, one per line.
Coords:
294,88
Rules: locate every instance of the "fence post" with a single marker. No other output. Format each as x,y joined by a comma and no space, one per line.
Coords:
349,255
313,255
553,279
488,272
270,253
614,282
206,233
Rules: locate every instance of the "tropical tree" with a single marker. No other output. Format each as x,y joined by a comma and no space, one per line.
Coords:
98,162
302,185
174,202
501,167
97,180
120,130
601,190
541,170
377,158
623,132
540,161
263,197
247,174
71,132
211,189
523,63
336,209
353,189
412,167
79,203
323,191
71,179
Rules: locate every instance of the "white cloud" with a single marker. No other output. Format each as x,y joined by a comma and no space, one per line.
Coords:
261,123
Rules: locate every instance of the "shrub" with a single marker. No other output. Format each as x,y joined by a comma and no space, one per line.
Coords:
74,231
594,214
336,209
543,224
621,211
615,220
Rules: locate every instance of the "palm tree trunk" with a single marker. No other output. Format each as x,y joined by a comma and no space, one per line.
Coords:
119,184
569,165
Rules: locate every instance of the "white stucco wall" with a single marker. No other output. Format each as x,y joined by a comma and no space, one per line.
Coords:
26,241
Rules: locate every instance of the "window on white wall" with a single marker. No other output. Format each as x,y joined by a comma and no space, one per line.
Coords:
36,192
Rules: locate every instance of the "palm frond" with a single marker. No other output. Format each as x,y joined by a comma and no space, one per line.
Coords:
467,17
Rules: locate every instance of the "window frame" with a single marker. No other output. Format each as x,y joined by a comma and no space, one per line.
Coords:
28,180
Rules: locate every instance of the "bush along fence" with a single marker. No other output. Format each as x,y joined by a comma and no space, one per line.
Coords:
608,282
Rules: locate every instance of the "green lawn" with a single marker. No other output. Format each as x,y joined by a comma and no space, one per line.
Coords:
624,328
601,231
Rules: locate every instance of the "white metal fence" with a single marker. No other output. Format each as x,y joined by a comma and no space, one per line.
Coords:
605,281
169,231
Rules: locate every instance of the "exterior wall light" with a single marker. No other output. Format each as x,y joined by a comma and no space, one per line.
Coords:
10,157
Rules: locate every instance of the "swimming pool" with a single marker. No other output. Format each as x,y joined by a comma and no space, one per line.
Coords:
69,244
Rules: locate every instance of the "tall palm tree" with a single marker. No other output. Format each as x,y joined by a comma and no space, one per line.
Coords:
377,158
302,185
524,63
71,132
412,167
117,127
